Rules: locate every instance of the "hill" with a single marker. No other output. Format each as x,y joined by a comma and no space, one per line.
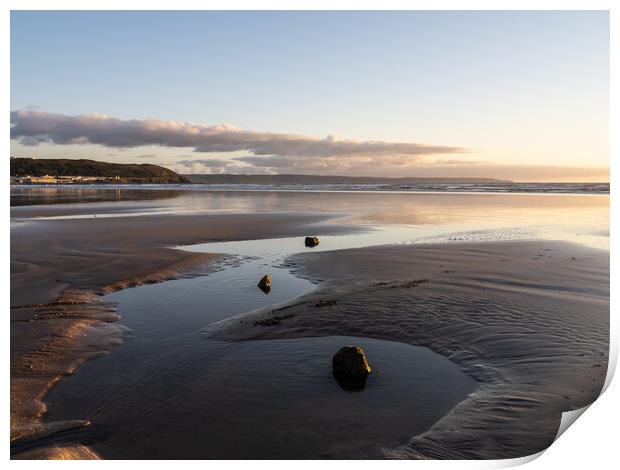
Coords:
126,173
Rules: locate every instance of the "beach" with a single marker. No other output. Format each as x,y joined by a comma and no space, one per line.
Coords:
506,297
57,319
511,314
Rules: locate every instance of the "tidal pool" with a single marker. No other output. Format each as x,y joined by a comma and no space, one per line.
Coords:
170,392
273,399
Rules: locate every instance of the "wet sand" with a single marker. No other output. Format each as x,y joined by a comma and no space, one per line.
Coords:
59,269
528,320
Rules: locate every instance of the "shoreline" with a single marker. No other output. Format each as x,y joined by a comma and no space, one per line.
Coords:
192,187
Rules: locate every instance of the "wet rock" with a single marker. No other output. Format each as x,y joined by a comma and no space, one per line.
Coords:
351,361
265,284
350,383
312,241
350,368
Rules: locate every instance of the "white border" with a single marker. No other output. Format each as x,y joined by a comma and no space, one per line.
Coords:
590,443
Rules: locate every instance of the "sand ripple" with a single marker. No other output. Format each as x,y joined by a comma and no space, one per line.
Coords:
528,320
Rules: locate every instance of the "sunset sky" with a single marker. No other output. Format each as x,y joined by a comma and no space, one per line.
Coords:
517,95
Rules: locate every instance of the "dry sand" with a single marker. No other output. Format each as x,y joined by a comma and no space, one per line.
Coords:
529,320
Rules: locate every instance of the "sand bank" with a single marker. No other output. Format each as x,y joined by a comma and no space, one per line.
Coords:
528,320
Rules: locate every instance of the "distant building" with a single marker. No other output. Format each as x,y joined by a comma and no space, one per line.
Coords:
47,179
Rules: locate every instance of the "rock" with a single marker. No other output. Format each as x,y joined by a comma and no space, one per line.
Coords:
350,383
351,361
350,368
265,283
312,241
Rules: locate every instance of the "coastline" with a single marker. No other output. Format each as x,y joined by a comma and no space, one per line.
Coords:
512,188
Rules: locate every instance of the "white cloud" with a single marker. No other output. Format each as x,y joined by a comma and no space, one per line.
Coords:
32,127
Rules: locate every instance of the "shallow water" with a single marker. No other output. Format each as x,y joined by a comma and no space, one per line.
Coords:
169,392
428,217
257,399
171,309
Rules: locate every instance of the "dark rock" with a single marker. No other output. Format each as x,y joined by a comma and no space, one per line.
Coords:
350,368
350,383
351,361
265,284
312,241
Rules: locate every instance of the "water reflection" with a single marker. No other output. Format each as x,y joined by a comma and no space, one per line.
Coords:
30,196
574,217
271,399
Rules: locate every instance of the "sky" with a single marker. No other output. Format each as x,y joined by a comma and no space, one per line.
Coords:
516,95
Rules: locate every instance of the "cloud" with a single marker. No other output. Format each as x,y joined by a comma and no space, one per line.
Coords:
273,164
32,127
211,163
214,165
344,164
458,162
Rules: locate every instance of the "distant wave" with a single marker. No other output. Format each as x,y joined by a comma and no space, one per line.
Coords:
487,187
424,187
